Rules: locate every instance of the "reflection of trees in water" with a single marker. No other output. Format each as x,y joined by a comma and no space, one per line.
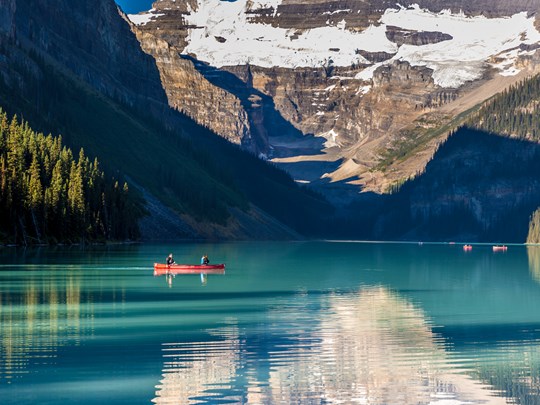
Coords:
373,347
35,322
517,372
533,252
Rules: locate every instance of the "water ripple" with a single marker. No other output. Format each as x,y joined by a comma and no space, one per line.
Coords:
370,347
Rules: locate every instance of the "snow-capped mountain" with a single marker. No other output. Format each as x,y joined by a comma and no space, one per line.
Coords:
224,34
331,90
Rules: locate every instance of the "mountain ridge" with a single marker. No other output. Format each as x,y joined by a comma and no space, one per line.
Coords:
71,79
414,65
201,186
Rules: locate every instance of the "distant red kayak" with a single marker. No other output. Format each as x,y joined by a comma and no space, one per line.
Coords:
162,269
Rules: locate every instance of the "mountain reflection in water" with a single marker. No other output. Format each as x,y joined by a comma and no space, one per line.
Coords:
306,323
369,347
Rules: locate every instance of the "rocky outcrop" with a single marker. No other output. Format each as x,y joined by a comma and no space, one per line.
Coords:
307,14
402,36
375,57
169,21
488,8
190,93
231,102
317,104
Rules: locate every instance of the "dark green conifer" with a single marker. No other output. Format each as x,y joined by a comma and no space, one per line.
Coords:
45,194
35,188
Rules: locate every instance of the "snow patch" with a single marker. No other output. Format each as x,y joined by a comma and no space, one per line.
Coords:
363,89
144,18
506,65
347,10
463,58
474,41
331,138
267,46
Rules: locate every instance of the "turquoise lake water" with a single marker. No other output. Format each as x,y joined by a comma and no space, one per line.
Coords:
288,323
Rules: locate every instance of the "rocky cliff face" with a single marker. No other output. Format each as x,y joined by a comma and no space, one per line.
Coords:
306,14
189,92
365,84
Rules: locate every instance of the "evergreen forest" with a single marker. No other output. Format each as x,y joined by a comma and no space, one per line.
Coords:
49,196
514,112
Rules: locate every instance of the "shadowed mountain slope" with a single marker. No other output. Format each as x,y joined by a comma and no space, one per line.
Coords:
478,187
77,70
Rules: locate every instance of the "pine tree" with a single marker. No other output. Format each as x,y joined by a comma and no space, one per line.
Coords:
75,197
35,197
35,188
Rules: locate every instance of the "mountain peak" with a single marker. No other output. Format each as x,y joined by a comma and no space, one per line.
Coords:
458,48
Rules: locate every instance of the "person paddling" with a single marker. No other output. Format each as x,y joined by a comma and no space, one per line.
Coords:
170,259
205,260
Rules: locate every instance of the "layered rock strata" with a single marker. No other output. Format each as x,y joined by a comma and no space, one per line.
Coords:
354,113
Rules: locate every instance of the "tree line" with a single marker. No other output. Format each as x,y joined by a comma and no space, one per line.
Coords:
513,112
49,196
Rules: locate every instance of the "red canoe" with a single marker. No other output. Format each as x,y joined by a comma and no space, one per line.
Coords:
162,269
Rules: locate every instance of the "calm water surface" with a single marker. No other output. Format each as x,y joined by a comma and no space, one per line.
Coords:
288,323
